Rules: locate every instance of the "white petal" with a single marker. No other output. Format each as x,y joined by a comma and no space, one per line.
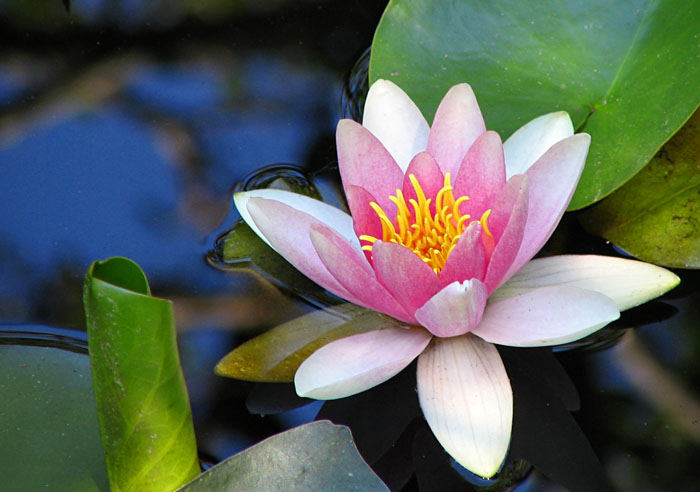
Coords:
466,398
333,217
531,140
359,362
627,282
546,316
552,182
396,121
455,310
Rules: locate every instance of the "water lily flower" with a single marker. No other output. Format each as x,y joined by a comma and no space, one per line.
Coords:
445,222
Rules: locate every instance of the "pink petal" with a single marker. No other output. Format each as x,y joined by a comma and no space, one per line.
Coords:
552,181
363,161
396,121
359,362
466,398
408,278
515,193
507,223
428,174
350,268
287,230
482,174
546,316
455,310
467,259
365,219
457,124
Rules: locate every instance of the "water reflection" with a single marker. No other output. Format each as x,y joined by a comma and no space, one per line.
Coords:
44,336
133,150
356,87
287,177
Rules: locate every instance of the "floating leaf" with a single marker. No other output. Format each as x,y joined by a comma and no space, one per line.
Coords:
627,72
140,392
50,436
275,355
656,216
315,456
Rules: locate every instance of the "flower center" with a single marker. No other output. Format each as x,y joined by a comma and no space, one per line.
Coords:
430,235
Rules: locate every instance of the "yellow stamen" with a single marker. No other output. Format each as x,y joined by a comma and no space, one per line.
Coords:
482,221
430,235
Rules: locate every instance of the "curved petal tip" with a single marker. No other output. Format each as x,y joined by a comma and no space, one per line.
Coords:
396,121
530,141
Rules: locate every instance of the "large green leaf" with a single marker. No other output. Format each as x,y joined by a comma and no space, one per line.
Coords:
49,437
626,71
275,355
140,392
656,216
318,456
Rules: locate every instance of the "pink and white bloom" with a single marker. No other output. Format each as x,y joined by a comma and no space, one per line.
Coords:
445,221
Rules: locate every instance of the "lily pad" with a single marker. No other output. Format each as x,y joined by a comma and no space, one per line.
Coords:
312,457
626,72
49,437
275,355
656,216
140,392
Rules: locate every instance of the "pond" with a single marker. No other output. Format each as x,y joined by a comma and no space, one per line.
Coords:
124,129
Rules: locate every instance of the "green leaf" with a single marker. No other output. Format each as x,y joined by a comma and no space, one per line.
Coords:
50,437
140,392
240,248
656,216
275,355
627,72
313,457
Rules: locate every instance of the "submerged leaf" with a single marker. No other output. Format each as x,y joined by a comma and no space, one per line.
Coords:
656,216
626,72
316,456
140,392
275,355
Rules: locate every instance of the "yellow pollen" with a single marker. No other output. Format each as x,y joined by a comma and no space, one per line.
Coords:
430,235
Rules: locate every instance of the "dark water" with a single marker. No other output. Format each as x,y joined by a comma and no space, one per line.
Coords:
124,127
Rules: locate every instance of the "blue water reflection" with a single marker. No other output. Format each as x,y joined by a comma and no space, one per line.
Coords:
81,185
275,122
91,186
11,84
185,91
